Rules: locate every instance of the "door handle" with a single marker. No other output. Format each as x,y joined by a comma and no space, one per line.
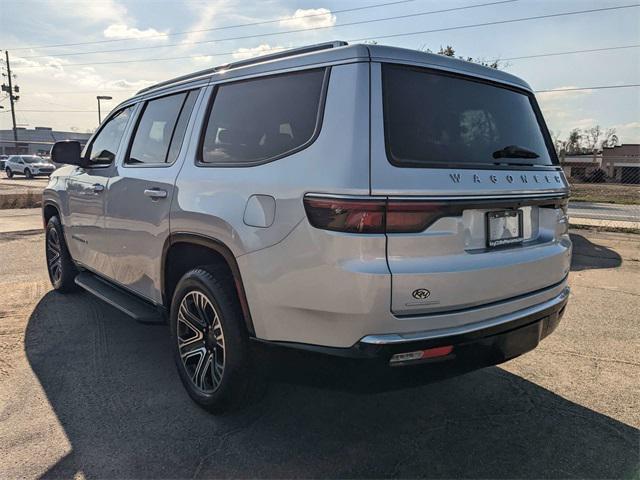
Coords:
155,193
97,188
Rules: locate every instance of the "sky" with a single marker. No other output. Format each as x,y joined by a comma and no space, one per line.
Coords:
58,85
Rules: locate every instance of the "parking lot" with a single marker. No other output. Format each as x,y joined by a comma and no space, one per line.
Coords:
87,393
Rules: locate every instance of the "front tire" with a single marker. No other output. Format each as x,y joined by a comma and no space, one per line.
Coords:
210,341
9,173
27,173
62,271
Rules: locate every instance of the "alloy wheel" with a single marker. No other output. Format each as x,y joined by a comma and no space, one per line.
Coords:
54,257
201,341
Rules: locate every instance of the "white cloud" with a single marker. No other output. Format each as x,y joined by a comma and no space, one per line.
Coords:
120,30
200,59
206,19
242,53
562,93
628,132
309,18
93,11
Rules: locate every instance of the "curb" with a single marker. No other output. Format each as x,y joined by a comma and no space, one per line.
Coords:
21,200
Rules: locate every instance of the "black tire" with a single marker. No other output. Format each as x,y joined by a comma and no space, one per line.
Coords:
62,271
9,173
27,173
214,391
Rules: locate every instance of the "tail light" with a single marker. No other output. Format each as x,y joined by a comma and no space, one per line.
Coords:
346,215
372,215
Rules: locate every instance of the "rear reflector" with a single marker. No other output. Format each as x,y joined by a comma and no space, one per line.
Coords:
435,352
372,216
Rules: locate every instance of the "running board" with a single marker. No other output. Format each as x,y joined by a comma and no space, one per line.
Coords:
126,302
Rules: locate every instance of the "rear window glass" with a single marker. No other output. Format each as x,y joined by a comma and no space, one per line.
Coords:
258,120
435,119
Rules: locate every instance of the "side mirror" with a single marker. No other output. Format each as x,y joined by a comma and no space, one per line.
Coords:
68,152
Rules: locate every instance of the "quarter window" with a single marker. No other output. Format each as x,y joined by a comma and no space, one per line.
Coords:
104,147
258,120
161,129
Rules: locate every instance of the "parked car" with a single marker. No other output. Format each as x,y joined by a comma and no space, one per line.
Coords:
28,165
390,206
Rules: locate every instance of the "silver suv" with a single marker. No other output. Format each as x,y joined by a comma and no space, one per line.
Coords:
392,206
28,165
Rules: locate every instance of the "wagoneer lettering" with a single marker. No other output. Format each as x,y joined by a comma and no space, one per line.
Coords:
361,201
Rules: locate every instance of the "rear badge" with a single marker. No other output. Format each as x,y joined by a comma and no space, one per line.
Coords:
421,294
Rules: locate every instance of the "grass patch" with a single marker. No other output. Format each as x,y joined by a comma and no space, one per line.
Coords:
605,193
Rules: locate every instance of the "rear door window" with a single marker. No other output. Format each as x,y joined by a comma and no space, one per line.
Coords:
161,129
262,119
438,119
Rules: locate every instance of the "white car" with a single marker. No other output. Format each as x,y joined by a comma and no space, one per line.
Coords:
28,165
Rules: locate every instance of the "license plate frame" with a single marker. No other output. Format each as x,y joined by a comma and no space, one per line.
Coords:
507,220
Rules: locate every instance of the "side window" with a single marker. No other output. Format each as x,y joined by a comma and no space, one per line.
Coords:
104,147
257,120
161,129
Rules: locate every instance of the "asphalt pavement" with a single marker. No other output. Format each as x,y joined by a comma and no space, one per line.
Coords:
85,392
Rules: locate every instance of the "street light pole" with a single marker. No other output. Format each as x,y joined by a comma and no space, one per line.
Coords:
101,97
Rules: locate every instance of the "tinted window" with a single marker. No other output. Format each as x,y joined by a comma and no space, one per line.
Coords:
256,120
29,159
104,147
156,129
433,118
181,126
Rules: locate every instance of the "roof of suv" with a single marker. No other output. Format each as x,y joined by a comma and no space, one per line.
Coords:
332,53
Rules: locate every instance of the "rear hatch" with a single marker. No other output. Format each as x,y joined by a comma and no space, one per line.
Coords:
468,166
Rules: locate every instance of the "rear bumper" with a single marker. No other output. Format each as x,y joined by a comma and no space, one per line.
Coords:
474,346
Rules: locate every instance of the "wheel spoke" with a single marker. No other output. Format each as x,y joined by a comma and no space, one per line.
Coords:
201,341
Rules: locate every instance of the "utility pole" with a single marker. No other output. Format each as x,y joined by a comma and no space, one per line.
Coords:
12,98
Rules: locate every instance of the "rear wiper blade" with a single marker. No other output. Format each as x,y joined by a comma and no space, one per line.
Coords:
514,151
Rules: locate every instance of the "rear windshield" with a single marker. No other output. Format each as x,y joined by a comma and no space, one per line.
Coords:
438,119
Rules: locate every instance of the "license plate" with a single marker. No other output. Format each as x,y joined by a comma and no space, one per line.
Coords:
504,228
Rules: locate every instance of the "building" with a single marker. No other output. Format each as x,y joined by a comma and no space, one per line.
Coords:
622,163
580,167
37,141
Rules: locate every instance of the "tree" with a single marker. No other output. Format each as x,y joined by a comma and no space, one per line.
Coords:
449,51
610,138
558,143
574,142
596,138
591,137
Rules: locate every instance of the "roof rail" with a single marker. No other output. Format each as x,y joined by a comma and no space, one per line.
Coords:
250,61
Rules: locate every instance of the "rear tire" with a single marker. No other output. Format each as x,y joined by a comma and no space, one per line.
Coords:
9,173
210,342
62,271
27,173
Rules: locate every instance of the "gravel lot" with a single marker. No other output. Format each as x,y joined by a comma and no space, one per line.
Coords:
87,393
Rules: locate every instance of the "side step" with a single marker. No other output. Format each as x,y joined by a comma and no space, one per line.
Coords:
124,301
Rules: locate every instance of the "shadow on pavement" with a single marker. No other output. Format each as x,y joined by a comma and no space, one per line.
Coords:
588,255
113,387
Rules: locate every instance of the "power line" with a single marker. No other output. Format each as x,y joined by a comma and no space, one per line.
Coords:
497,22
554,54
540,55
186,32
269,34
459,27
601,87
